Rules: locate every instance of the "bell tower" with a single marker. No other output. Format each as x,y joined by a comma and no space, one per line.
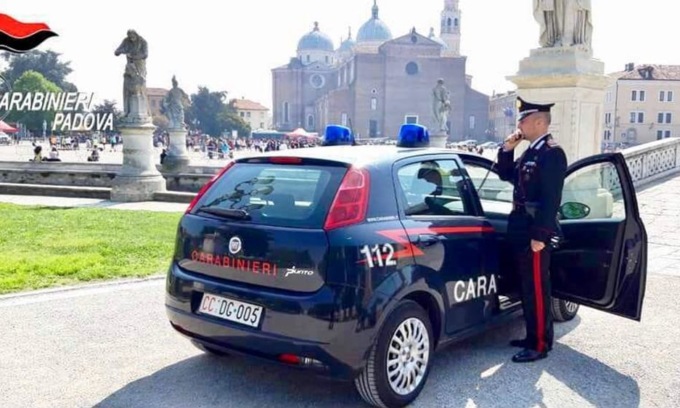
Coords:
450,28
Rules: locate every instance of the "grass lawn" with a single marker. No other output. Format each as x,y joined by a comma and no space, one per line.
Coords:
47,246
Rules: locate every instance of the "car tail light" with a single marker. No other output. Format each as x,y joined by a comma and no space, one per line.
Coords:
289,359
206,186
351,200
285,160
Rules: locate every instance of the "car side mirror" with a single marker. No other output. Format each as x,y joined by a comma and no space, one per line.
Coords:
573,211
456,173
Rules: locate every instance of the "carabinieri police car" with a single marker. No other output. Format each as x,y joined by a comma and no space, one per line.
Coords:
358,262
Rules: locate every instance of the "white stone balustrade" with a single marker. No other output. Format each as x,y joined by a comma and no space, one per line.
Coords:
653,161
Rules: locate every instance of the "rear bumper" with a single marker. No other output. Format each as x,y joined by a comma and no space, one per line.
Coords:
312,326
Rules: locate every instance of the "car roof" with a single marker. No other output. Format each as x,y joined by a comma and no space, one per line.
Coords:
356,155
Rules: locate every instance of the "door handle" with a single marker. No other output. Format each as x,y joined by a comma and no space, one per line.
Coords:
428,239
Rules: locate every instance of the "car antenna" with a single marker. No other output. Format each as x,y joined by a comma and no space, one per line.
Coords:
351,130
486,176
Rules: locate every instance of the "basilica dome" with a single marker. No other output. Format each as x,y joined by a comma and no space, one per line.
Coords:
348,44
315,40
374,30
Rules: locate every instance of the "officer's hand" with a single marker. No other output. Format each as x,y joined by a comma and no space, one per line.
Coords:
512,140
537,246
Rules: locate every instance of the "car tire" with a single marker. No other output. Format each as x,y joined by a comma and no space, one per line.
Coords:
377,384
209,350
563,310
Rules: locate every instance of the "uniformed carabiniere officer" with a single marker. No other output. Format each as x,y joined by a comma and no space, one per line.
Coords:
538,178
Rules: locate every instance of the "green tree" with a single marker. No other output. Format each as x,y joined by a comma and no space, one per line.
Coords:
47,63
206,108
32,82
106,107
232,121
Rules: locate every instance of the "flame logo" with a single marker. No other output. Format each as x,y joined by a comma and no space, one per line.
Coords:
18,37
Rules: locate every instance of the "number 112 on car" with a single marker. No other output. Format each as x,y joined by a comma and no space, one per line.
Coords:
378,255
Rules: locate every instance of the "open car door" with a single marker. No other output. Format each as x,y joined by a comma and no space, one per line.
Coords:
602,260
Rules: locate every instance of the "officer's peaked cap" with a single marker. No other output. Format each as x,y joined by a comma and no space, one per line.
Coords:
527,108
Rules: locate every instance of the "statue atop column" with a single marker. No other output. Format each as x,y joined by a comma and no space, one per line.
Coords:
578,22
441,105
173,106
135,102
564,23
550,15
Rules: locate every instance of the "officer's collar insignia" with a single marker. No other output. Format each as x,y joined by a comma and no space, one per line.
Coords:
551,142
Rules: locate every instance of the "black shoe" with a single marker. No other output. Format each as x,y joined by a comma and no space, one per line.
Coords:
523,343
528,355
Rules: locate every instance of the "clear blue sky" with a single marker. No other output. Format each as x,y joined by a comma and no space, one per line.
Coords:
233,45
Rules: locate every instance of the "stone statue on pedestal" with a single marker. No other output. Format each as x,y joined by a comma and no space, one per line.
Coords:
564,22
173,105
135,101
138,178
441,105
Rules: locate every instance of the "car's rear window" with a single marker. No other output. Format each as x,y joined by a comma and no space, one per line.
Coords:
273,194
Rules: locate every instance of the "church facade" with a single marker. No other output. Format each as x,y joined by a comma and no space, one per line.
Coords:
376,83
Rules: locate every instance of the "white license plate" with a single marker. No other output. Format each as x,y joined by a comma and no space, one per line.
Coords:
229,309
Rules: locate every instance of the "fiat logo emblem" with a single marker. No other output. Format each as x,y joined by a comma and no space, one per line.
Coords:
235,245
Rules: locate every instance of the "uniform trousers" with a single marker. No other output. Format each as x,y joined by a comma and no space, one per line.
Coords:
534,273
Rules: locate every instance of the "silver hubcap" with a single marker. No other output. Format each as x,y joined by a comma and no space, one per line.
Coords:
407,356
571,307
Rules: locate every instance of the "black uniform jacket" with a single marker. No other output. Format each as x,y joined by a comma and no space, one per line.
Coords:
538,177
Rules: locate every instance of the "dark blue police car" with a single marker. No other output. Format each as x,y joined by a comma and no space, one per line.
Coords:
359,262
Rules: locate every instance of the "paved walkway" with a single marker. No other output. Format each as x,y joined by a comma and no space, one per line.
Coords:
24,152
92,203
660,209
659,206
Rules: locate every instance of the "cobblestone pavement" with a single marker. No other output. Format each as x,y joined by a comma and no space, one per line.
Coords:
660,209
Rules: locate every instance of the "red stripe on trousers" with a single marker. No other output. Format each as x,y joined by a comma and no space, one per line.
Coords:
540,312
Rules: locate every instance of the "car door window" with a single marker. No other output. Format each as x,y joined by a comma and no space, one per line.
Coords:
433,187
494,194
593,192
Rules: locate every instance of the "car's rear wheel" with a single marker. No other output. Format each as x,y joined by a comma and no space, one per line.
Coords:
563,310
399,361
208,349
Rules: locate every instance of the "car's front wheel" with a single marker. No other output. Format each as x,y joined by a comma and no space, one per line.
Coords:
563,310
399,362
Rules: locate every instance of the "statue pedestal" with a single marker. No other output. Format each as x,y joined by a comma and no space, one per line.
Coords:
177,158
138,179
438,139
575,82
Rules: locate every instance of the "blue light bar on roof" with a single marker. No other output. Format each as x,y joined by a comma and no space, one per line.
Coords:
413,135
337,135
